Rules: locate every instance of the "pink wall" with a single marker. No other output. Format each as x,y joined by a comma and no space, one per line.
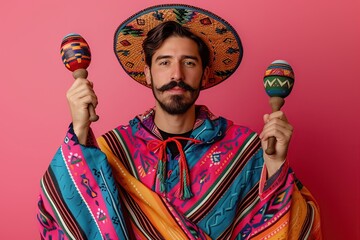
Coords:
319,38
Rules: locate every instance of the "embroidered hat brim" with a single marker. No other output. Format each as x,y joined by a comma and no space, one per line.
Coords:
223,41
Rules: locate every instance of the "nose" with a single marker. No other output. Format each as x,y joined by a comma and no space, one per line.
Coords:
177,72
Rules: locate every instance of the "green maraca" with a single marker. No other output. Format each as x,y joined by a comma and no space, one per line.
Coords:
278,83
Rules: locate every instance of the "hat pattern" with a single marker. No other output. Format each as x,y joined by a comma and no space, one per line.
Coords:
222,40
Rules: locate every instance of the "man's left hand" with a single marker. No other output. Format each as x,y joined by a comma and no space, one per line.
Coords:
276,125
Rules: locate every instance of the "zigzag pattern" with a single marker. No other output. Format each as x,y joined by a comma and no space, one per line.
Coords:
223,73
132,31
218,218
183,16
136,74
276,82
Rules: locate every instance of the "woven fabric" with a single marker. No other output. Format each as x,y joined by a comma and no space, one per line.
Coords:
222,40
115,193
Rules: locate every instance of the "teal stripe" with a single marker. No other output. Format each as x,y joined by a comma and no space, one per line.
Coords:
235,160
223,213
102,172
72,199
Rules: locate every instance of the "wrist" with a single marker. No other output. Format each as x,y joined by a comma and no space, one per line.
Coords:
272,165
81,134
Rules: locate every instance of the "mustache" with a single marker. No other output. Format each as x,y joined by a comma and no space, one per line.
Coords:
173,84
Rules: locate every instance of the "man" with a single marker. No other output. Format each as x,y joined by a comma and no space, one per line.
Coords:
177,171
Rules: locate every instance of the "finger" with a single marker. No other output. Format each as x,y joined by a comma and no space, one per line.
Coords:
89,99
281,133
86,96
278,122
80,86
272,128
80,82
266,118
82,97
278,114
81,89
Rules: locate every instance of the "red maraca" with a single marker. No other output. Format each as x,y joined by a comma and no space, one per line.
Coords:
278,82
75,54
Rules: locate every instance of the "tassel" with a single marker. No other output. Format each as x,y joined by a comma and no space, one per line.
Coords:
184,191
187,193
161,171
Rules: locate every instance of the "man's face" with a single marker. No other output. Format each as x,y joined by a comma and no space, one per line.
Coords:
176,74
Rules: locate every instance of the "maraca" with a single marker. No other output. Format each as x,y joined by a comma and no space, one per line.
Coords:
76,56
278,83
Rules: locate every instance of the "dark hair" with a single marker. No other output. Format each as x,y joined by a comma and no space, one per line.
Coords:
160,33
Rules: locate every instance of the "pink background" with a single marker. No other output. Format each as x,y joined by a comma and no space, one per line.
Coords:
320,39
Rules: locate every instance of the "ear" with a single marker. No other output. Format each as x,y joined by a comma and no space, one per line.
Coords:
147,74
205,77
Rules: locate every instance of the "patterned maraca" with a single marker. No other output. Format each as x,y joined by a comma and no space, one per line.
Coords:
278,83
76,56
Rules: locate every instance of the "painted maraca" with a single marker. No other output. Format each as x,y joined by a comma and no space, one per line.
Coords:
76,56
278,83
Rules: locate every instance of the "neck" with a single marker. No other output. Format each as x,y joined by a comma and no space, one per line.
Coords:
175,124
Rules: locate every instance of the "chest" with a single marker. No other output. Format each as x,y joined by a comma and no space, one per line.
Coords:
212,166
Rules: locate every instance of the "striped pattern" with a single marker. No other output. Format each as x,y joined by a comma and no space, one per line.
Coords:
217,191
81,198
228,179
64,216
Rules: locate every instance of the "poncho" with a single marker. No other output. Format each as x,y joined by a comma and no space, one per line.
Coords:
113,188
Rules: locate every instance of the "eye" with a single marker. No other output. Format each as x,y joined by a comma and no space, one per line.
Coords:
189,63
164,63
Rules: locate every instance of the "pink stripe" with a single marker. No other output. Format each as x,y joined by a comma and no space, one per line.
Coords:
81,174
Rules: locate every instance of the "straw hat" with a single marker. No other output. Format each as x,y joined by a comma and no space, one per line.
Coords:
221,38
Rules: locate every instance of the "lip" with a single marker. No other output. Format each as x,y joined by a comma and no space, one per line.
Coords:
176,90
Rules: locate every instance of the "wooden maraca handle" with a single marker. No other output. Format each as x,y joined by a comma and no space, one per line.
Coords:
83,73
276,103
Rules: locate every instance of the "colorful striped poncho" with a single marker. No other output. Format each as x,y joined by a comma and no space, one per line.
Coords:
112,189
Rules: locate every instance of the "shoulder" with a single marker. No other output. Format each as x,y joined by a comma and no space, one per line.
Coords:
232,127
241,133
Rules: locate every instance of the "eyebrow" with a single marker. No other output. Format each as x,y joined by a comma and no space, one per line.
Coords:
182,57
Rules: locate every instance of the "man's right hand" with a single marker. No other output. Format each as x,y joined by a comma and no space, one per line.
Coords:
79,96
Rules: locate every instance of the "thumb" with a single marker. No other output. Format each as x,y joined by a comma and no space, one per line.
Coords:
266,118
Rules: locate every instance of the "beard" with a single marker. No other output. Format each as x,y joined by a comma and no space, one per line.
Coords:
176,104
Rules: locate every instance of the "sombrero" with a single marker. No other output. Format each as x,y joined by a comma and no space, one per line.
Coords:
221,38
